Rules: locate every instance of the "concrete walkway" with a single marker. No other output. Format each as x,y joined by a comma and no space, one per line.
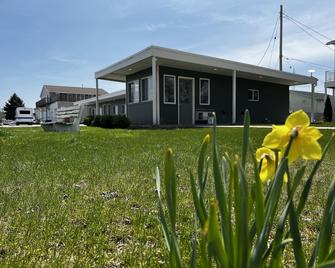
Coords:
258,126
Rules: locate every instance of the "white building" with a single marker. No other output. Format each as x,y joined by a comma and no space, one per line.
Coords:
303,100
54,97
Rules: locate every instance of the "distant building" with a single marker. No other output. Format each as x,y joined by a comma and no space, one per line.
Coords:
109,104
302,100
54,97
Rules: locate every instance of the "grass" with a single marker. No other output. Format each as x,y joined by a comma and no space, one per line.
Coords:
89,199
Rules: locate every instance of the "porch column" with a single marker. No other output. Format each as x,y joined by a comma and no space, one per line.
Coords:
97,112
158,96
312,103
234,98
154,90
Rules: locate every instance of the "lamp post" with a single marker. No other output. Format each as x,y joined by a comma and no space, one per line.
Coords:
331,43
312,96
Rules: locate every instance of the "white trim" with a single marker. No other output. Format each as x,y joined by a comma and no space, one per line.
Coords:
209,91
193,97
134,82
157,96
154,89
234,98
253,90
142,78
175,88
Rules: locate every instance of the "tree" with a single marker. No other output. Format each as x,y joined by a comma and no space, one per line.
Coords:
328,111
10,106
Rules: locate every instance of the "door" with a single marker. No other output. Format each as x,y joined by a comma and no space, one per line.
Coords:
185,101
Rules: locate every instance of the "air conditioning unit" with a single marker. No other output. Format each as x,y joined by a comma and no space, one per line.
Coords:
205,117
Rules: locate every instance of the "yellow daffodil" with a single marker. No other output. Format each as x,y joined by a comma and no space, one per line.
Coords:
305,138
268,168
268,159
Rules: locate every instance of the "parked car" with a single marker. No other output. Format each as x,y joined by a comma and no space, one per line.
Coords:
24,115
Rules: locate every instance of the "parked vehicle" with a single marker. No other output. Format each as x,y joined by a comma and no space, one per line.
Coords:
24,115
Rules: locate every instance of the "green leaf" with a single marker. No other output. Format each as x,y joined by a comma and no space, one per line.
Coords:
170,187
201,214
216,246
328,264
322,246
201,160
259,195
242,209
221,197
245,142
270,212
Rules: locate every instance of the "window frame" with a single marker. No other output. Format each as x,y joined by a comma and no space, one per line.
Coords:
174,89
129,95
148,88
209,91
253,90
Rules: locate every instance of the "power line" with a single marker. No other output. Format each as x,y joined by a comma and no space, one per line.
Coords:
310,28
273,46
270,41
321,66
308,33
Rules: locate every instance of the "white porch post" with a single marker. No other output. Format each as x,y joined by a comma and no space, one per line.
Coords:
157,98
97,112
154,89
312,103
234,98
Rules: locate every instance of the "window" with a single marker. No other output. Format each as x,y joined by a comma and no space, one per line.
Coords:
123,109
109,109
204,91
253,95
144,89
169,85
115,109
133,91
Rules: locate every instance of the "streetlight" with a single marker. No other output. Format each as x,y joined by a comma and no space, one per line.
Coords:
311,71
333,44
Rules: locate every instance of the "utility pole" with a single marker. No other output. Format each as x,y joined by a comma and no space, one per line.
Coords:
281,39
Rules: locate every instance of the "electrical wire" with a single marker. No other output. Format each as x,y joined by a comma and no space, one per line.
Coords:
308,27
270,41
273,46
321,66
308,33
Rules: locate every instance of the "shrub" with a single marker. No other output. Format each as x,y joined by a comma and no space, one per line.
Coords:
88,120
244,225
328,111
108,121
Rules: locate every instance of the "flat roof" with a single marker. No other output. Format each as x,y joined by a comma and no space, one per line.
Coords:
189,61
116,95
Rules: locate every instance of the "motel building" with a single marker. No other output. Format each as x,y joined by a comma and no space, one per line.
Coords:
168,87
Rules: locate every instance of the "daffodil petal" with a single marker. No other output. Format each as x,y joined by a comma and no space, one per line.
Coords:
294,151
312,132
277,138
298,118
311,149
264,151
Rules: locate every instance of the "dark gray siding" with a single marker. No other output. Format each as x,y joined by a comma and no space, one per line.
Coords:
273,104
272,107
139,113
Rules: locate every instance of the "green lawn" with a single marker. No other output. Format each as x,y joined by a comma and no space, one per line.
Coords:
89,199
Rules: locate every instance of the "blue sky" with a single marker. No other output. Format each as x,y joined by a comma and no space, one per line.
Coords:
63,42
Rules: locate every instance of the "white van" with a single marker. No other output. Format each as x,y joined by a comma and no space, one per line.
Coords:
24,115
